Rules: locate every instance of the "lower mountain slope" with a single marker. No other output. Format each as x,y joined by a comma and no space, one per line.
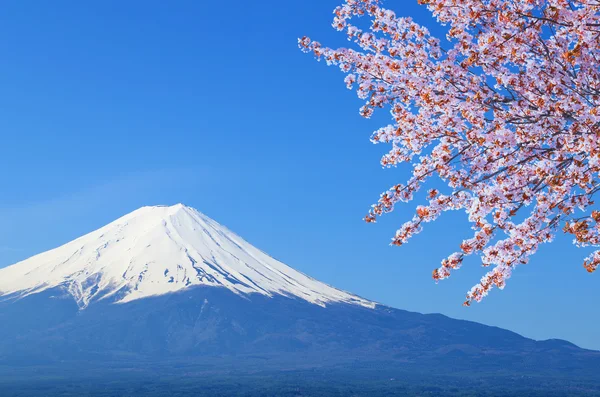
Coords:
225,330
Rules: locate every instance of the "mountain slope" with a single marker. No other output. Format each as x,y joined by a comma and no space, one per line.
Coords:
158,250
219,330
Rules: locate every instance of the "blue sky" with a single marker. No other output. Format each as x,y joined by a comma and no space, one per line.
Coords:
109,106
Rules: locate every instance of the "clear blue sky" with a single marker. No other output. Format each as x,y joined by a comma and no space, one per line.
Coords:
108,106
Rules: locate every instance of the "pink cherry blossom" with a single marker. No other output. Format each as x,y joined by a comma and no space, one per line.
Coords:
505,112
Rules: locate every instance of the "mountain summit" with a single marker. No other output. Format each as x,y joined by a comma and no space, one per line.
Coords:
158,250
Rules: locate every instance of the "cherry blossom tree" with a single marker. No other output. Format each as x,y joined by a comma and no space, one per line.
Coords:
505,111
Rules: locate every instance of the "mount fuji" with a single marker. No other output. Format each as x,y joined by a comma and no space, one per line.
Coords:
168,286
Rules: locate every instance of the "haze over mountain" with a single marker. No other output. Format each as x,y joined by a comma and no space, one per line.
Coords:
169,285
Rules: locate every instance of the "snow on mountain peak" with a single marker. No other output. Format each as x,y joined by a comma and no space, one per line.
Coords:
162,249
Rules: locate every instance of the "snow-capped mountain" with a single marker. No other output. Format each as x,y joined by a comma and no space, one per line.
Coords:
168,286
158,250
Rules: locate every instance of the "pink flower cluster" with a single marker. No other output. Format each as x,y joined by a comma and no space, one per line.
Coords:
507,115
